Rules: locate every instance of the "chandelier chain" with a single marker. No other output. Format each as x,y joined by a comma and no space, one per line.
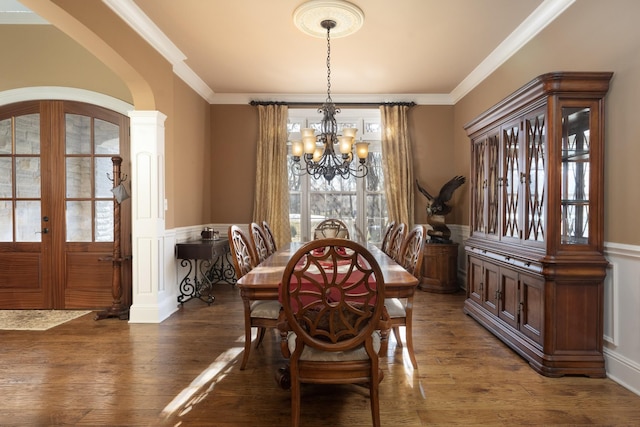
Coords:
328,63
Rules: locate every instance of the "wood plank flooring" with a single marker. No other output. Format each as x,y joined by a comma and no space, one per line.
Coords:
185,372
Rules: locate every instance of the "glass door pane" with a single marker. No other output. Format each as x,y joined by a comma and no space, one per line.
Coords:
89,145
575,175
20,181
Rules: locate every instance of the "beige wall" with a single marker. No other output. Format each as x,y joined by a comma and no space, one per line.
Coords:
434,160
590,36
41,55
234,135
191,157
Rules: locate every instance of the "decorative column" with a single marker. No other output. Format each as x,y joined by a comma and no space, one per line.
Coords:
150,302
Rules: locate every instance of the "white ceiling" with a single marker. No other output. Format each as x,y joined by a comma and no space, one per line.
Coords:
426,51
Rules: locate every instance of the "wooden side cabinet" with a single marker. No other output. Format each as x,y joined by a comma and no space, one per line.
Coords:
439,268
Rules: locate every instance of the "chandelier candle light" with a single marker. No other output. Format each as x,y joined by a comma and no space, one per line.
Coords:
328,154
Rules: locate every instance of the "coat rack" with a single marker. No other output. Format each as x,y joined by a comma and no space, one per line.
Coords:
117,309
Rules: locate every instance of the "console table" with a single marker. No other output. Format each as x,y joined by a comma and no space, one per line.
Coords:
207,263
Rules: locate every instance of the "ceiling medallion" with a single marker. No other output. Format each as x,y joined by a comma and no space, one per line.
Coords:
348,17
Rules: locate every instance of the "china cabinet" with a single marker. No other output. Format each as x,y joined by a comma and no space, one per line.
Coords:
535,251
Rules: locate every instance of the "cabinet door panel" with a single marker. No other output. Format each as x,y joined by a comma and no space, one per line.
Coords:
474,291
532,313
491,285
509,301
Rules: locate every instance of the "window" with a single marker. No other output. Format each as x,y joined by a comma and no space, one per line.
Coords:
360,203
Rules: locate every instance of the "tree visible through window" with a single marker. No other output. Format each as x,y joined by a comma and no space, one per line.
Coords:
359,202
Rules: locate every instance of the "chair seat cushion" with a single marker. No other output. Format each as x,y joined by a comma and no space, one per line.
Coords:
395,307
310,353
265,309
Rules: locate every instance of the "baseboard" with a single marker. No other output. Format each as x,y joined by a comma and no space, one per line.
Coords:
622,370
152,313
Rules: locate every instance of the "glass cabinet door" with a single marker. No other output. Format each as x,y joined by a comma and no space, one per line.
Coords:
485,185
575,175
535,175
511,220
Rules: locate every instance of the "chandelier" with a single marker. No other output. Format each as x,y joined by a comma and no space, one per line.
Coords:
328,154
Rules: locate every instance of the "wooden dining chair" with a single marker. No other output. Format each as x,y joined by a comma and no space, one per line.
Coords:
388,232
400,310
395,243
261,314
271,241
333,305
330,228
259,242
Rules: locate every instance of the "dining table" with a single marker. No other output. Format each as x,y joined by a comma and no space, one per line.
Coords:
263,281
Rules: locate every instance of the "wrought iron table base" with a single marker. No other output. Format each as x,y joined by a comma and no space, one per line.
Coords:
196,282
207,261
222,270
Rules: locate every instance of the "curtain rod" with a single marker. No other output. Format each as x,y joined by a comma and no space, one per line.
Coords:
339,105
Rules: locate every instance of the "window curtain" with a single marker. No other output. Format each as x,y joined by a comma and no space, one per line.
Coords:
397,163
271,201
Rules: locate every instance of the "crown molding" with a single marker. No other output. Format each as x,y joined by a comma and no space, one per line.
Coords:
529,28
130,13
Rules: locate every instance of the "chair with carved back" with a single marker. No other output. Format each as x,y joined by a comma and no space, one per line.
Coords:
331,228
388,232
259,314
259,241
400,310
332,296
395,242
271,241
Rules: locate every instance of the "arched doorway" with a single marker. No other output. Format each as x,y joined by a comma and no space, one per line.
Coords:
56,204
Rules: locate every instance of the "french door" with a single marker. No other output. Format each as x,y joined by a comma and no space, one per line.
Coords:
56,204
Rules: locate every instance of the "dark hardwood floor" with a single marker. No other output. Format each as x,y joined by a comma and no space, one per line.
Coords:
185,372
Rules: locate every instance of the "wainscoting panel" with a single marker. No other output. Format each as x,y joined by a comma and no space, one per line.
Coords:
622,315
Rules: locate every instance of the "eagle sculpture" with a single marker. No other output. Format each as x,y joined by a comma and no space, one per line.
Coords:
437,208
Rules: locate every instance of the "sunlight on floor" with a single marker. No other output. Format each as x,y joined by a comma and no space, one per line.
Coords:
191,395
411,374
